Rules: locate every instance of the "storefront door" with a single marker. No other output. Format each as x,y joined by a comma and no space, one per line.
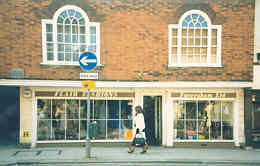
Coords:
9,115
153,119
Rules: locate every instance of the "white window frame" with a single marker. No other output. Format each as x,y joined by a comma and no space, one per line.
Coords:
179,42
53,21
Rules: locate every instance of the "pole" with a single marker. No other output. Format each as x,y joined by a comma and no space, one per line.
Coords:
88,143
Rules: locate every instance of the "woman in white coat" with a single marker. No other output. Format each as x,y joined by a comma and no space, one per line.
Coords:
139,125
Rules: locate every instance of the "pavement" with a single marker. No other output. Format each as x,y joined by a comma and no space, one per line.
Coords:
155,154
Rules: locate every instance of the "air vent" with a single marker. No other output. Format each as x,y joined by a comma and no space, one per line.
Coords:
258,56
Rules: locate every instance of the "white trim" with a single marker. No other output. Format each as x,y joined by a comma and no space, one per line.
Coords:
127,84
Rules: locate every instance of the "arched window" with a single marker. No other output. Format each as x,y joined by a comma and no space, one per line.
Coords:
68,35
194,41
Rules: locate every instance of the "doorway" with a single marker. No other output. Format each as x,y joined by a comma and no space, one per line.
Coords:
153,119
9,115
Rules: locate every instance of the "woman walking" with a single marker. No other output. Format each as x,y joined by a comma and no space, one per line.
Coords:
139,125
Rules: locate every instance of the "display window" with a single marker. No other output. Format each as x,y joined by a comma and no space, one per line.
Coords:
203,120
66,119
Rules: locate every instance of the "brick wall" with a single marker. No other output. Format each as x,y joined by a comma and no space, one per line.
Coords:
134,38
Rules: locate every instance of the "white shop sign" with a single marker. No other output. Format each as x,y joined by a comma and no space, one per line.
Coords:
88,76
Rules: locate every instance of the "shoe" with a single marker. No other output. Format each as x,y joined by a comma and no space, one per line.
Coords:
130,151
143,152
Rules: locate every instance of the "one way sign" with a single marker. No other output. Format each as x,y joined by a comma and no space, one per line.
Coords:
88,61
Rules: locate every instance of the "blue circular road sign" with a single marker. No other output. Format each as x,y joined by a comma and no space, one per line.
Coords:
88,61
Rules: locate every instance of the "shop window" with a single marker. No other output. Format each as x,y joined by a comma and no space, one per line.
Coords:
194,41
203,120
66,119
68,35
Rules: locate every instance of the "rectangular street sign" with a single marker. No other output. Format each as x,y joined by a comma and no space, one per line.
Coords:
88,84
88,76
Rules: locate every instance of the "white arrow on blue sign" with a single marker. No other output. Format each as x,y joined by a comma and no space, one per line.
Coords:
88,61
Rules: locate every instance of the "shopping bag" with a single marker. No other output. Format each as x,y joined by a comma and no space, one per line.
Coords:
139,139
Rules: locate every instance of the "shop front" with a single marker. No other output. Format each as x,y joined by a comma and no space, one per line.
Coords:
207,118
62,116
174,115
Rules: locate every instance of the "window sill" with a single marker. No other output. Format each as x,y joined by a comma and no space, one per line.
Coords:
193,65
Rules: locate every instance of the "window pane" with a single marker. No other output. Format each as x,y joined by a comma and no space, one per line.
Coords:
60,20
92,49
67,56
204,58
67,38
174,41
190,59
71,12
191,32
67,21
60,56
174,32
82,30
58,127
72,109
43,109
68,48
184,32
67,29
183,59
203,110
74,38
64,14
113,129
83,128
214,33
204,50
60,28
214,50
75,29
93,30
75,56
204,42
50,47
191,110
214,41
74,22
197,32
204,32
78,15
82,48
101,129
49,28
49,37
60,47
84,109
126,110
191,129
82,39
227,110
183,50
191,41
197,58
213,59
44,130
190,50
179,130
126,127
93,39
82,21
227,130
197,51
174,59
60,38
184,41
50,56
174,50
113,109
72,132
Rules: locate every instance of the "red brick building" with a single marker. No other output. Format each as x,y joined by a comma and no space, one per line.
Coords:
186,62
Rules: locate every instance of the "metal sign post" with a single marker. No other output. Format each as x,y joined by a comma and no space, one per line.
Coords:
88,144
88,61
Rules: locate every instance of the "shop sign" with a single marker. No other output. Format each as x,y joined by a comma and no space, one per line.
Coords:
88,76
203,95
88,84
84,94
